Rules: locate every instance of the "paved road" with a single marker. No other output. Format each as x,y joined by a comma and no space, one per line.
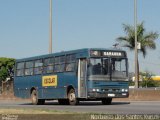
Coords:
139,107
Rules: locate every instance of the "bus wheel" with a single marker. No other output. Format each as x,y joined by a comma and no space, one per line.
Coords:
106,101
35,100
72,97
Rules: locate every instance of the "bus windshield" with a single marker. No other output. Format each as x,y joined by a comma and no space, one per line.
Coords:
114,68
98,66
118,69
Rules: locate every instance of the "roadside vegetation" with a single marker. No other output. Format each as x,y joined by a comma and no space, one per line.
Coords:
6,68
146,80
6,72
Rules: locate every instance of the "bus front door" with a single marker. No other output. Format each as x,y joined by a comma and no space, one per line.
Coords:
82,73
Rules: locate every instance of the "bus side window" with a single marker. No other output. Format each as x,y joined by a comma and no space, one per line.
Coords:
38,67
70,62
20,69
59,64
29,68
48,65
70,66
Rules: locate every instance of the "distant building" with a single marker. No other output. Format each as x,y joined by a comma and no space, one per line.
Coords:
157,78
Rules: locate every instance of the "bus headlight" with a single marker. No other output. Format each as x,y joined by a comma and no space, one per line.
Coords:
122,90
126,90
94,90
97,90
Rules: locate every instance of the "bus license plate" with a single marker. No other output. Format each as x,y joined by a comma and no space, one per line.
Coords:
111,95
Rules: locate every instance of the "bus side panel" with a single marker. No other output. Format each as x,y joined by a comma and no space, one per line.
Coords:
21,87
59,91
51,93
71,79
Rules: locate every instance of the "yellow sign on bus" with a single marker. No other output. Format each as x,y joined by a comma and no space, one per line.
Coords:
49,81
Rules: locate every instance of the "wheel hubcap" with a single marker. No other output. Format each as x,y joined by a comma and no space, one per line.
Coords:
72,97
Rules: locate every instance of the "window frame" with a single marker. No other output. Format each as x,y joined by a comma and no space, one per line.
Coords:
29,68
40,68
20,69
59,64
70,60
45,71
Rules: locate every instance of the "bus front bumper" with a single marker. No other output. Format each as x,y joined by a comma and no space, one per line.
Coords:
107,95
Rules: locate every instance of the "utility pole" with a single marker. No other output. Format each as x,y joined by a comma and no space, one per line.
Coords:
136,52
50,27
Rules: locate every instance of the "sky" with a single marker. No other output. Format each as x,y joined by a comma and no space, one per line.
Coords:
24,27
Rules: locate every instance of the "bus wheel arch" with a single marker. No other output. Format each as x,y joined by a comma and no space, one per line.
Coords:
71,95
33,88
69,88
34,97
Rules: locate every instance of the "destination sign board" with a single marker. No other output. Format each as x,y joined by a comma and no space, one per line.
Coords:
96,53
112,53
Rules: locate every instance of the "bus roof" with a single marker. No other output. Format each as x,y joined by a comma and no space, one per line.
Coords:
68,52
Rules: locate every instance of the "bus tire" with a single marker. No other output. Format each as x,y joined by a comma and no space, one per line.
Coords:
72,97
107,101
35,100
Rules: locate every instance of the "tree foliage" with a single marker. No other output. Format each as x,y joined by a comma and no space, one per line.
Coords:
6,68
147,80
147,39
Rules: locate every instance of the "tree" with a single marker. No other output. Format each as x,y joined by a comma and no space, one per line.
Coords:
6,68
147,80
146,39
